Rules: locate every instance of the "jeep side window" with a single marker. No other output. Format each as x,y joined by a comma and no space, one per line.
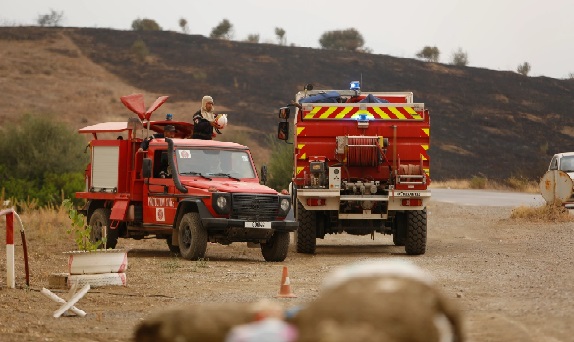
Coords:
161,165
553,164
567,164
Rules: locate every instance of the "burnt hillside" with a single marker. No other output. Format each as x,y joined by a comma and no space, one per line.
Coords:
483,122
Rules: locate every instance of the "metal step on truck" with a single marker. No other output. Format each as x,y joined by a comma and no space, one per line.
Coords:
187,192
361,165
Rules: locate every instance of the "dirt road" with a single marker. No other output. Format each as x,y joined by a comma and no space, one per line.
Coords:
514,281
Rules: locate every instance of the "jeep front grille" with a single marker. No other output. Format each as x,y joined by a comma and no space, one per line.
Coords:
254,207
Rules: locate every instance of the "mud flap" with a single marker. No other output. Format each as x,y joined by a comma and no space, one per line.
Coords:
119,210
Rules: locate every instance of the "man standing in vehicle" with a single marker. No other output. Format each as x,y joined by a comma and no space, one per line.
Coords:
205,121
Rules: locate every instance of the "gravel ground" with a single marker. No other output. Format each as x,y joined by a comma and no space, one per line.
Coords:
512,280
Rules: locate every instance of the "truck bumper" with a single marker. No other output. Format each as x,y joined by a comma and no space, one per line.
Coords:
222,223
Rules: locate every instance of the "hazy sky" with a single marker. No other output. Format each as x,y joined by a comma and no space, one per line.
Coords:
495,34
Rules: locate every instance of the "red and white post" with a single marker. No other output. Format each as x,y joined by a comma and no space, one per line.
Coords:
10,274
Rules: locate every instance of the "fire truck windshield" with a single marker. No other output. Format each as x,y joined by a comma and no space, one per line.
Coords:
214,163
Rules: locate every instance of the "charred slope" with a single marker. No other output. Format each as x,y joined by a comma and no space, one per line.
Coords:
484,122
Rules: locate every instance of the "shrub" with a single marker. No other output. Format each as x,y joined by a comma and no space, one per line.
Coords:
79,230
39,158
478,182
140,50
281,164
460,58
222,31
349,39
548,212
145,25
523,69
430,53
51,19
522,184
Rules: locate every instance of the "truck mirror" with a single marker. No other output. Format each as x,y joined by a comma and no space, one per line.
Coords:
284,113
283,131
263,174
146,167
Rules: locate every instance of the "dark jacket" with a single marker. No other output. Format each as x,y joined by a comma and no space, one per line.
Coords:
145,143
202,128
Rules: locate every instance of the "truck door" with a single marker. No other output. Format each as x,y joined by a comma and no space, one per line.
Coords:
159,200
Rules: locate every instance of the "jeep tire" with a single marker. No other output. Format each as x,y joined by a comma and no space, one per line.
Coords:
192,237
99,219
276,248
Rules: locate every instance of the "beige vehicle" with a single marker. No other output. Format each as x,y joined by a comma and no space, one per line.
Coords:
557,184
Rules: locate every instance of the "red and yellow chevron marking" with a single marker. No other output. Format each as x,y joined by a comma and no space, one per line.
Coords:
372,113
302,154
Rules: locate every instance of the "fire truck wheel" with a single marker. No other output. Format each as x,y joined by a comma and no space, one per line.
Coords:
306,236
416,241
100,219
192,237
400,229
276,247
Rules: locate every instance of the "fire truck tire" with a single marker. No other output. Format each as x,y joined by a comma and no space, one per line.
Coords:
416,241
192,237
400,229
276,247
99,219
306,235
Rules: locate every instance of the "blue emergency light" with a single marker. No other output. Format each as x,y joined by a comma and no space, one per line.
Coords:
355,85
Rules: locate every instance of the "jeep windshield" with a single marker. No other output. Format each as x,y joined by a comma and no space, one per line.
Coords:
567,164
214,163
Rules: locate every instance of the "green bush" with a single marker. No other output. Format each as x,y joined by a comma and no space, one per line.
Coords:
145,25
348,40
40,159
281,164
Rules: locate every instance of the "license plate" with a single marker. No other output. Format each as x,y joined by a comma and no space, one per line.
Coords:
250,224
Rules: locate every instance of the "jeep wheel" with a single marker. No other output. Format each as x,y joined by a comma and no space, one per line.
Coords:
416,241
276,248
305,235
101,218
400,229
192,237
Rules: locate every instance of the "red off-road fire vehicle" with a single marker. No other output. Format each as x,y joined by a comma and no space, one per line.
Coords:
186,191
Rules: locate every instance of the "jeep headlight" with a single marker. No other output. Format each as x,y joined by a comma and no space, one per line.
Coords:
221,203
284,205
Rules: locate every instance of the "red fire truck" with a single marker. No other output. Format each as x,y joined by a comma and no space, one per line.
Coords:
361,165
186,191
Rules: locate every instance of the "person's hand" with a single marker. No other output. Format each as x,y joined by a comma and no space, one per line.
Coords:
140,150
220,121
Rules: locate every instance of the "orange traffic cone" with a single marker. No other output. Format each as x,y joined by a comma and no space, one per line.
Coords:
285,289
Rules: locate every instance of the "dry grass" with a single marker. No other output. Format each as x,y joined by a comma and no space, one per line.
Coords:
545,213
479,182
44,225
